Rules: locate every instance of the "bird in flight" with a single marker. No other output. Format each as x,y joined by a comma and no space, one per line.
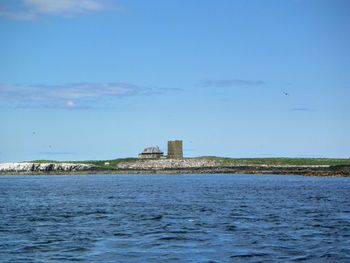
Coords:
286,93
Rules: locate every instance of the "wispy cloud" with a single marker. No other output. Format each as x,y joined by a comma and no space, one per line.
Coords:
65,96
31,9
301,109
218,83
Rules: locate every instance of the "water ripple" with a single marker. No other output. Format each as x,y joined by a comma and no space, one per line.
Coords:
167,218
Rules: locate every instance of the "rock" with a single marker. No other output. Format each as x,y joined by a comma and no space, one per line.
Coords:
167,164
44,167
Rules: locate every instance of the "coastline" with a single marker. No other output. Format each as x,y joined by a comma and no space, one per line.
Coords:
304,170
199,165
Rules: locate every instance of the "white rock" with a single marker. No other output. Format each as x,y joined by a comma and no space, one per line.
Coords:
33,167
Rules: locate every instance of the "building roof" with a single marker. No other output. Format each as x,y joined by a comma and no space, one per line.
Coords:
152,150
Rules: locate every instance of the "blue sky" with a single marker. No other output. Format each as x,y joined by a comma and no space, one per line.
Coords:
95,79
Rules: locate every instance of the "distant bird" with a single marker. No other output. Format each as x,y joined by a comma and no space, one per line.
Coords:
33,132
285,93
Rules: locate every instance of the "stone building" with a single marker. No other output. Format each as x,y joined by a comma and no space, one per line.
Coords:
151,153
175,150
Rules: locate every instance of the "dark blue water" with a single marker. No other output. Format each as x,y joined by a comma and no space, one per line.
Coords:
174,218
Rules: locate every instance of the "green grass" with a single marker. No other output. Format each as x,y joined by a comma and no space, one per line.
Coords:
112,163
44,161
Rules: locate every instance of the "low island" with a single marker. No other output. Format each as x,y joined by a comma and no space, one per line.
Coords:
199,165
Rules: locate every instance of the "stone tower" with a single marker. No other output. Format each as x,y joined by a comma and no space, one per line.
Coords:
175,150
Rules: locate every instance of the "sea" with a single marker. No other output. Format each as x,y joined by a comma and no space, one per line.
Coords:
174,218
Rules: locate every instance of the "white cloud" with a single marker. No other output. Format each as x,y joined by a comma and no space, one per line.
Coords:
63,6
70,104
68,96
30,9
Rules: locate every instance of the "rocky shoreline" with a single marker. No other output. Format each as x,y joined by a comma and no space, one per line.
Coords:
186,166
43,167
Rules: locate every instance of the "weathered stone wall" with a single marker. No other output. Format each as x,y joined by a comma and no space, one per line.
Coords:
175,149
